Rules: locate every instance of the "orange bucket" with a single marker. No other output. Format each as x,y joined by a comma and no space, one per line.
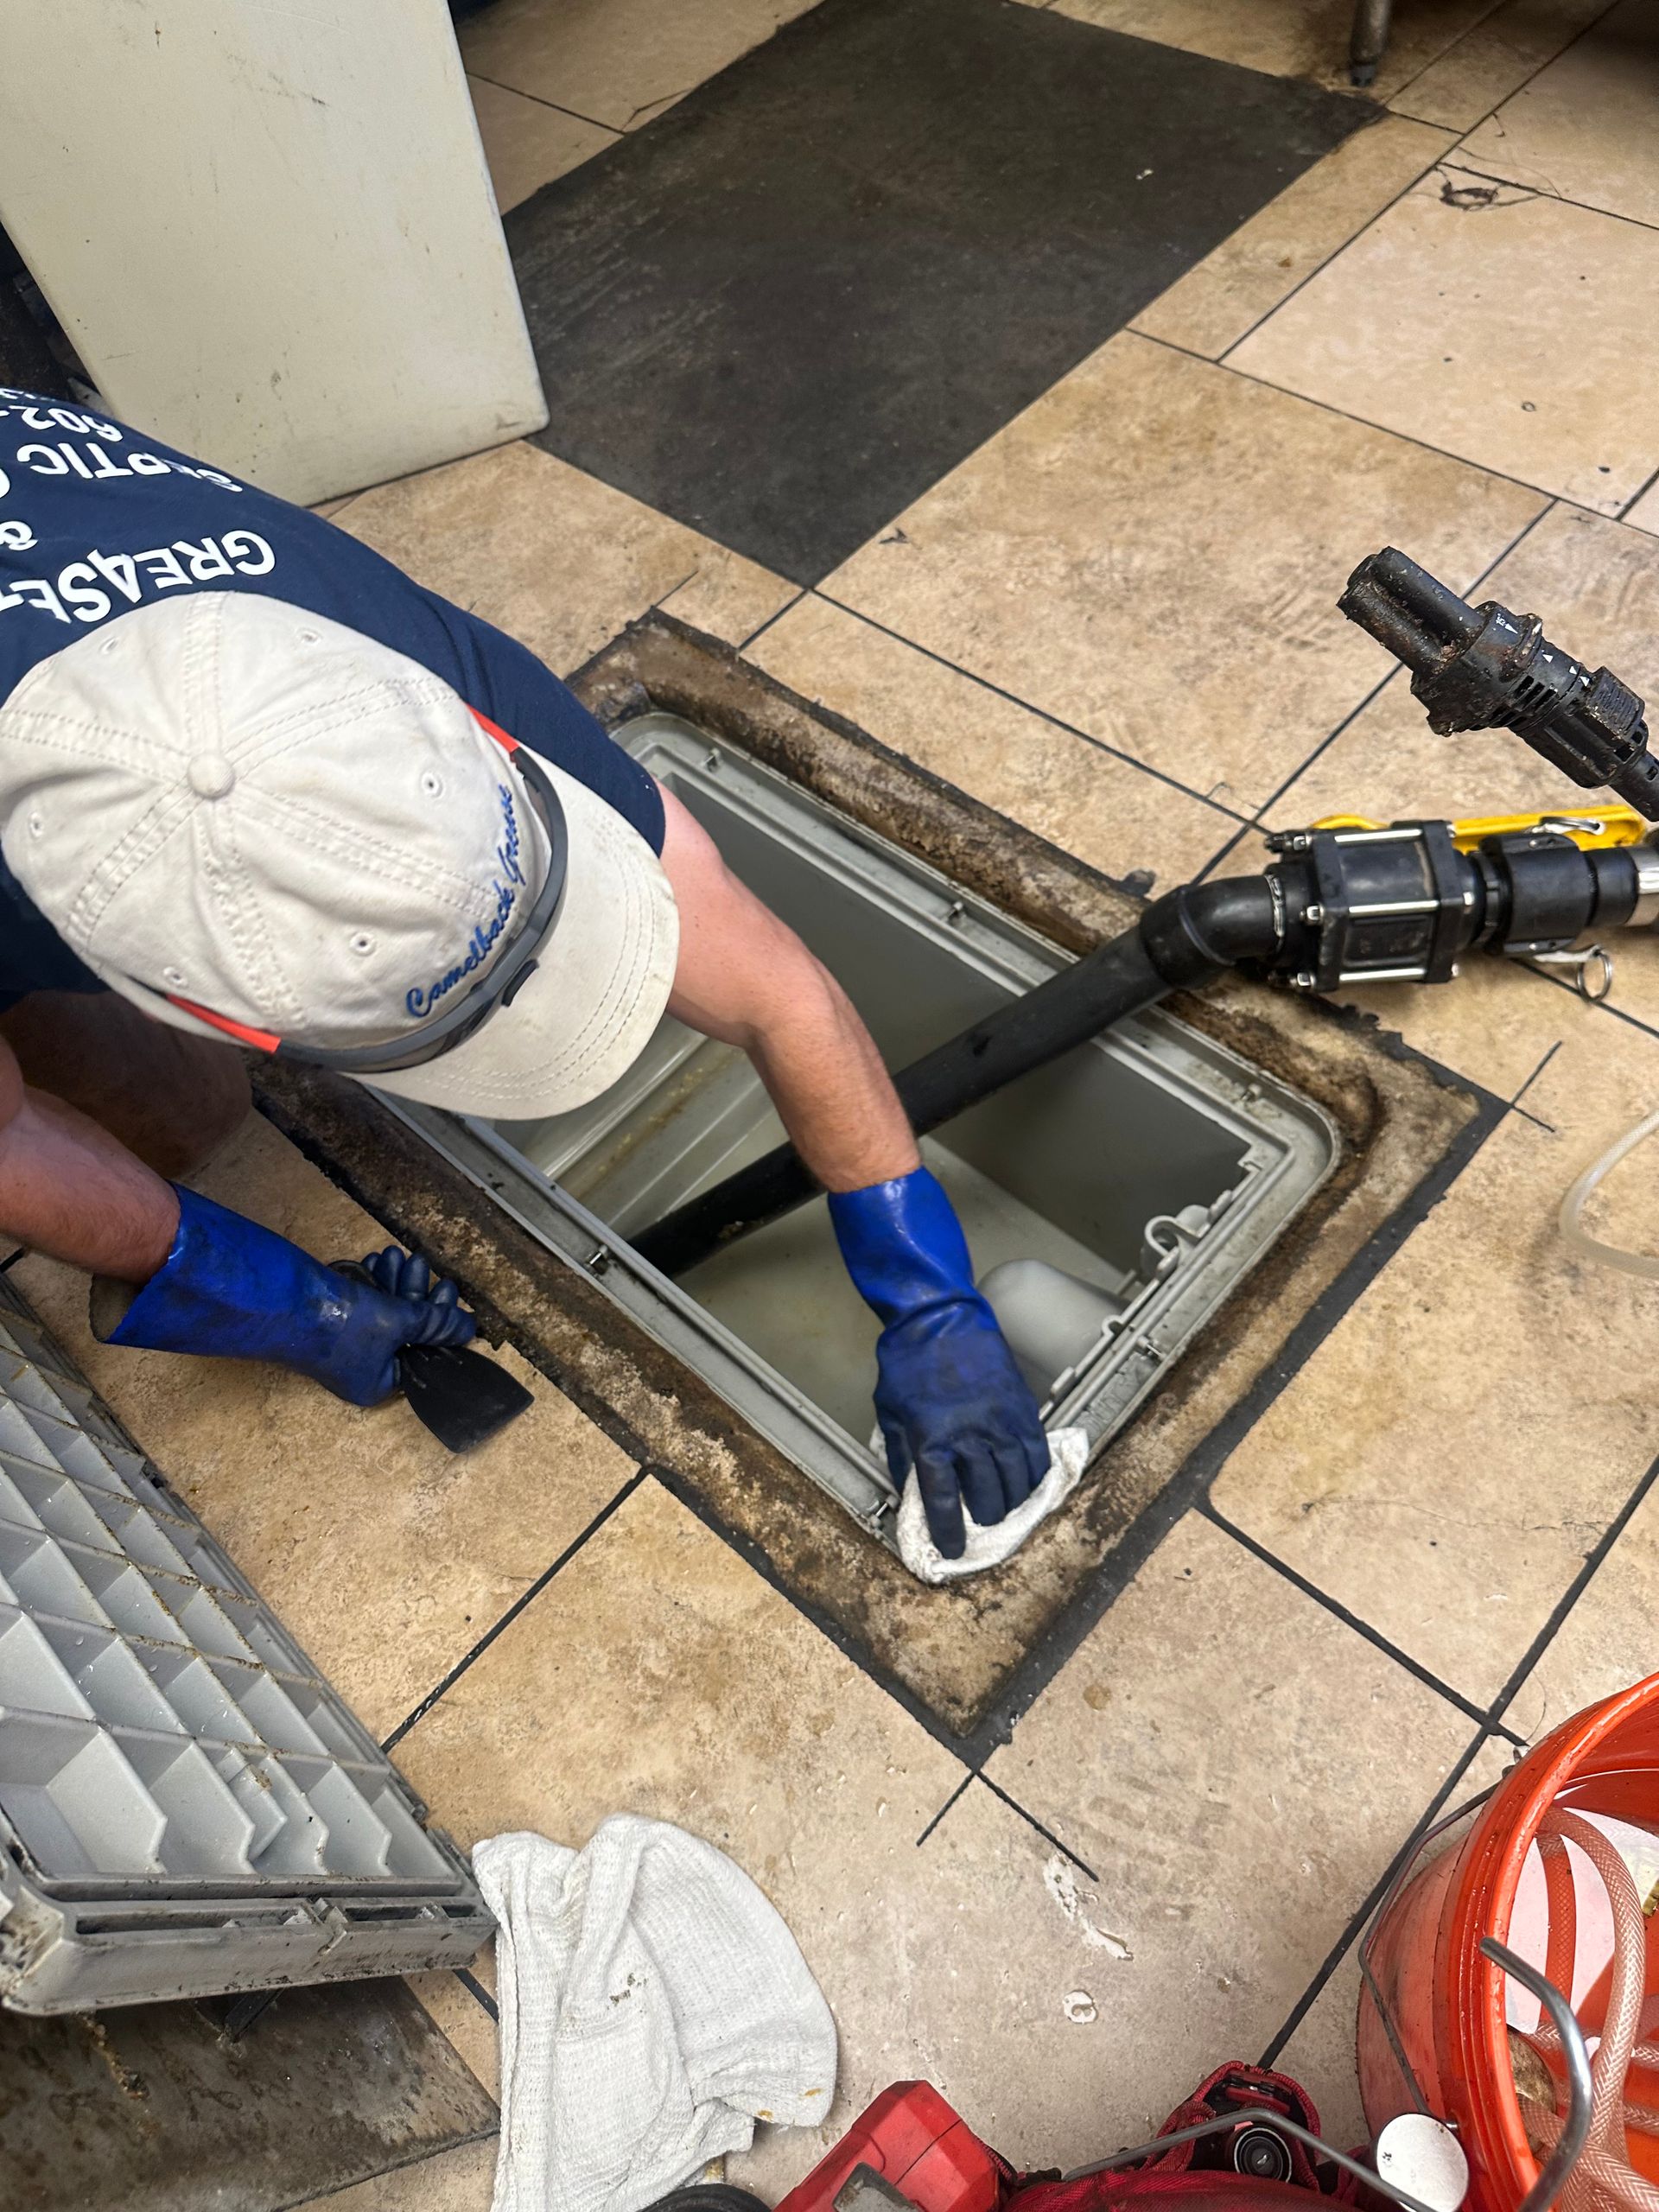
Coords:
1446,2004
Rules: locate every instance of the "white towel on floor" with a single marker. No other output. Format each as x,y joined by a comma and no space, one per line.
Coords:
989,1547
654,2008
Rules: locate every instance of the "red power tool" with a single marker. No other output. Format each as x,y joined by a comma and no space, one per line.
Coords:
918,2145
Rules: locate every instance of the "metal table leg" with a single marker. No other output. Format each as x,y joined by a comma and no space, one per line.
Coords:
1370,37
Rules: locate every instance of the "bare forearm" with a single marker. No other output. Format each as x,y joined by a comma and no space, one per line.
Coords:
833,1095
68,1190
745,978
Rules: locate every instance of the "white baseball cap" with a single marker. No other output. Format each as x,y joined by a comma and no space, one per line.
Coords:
245,817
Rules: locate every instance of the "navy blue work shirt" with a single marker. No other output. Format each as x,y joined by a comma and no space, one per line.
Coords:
97,519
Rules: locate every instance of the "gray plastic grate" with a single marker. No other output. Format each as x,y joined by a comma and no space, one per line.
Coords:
170,1763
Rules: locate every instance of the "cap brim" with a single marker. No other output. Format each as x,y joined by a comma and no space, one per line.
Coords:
600,988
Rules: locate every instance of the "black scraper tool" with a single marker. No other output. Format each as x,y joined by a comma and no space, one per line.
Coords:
463,1398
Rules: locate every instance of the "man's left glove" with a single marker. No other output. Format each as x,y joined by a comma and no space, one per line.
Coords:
230,1289
949,1397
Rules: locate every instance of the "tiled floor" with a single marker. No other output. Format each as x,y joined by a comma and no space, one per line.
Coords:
1116,623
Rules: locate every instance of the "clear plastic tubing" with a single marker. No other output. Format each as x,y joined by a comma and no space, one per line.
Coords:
1604,2177
1578,1238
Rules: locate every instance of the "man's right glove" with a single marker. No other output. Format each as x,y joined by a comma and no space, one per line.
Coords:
949,1397
232,1289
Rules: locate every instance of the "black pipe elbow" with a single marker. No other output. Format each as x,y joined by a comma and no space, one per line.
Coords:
1200,930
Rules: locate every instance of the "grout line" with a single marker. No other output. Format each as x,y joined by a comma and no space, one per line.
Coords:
470,1982
1465,1705
1479,23
663,597
575,114
1532,1078
1544,492
1598,1006
1222,851
1636,497
1530,192
744,644
1537,1121
1410,186
1357,1926
1041,713
1548,62
513,1610
945,1808
1569,1598
324,2197
1032,1821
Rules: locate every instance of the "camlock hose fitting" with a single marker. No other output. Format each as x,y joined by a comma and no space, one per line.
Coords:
1339,907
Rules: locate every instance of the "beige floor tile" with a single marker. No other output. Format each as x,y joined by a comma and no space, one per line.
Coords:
1608,1641
1644,515
1443,321
1288,38
657,1673
463,2019
1595,585
1153,552
386,1557
527,143
617,63
456,2181
1201,1751
547,552
730,598
1493,1023
1473,1424
1086,801
1265,259
1583,128
1093,2050
1321,2053
1490,61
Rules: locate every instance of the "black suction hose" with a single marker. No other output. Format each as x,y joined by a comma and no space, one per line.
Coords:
1184,938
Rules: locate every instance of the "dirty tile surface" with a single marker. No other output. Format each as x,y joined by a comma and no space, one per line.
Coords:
1217,303
527,143
1133,586
1386,334
553,556
1581,128
1454,1514
1291,38
1319,2050
930,209
1185,1826
1104,810
615,62
385,1556
1113,621
1501,52
456,2181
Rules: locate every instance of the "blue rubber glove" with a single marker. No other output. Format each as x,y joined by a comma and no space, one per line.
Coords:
949,1397
229,1287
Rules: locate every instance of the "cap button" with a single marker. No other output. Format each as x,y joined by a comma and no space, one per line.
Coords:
211,775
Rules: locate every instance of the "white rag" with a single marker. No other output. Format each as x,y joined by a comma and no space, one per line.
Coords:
989,1547
654,2008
